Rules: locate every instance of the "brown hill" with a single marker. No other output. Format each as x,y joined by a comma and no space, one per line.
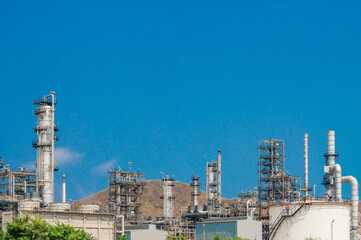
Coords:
152,203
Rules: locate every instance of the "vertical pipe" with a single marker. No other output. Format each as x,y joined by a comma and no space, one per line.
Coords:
219,178
305,138
64,190
207,184
331,150
354,203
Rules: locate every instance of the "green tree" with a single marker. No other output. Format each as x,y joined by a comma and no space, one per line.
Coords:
34,228
124,237
169,237
217,237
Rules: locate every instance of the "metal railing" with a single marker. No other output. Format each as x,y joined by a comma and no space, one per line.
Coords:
287,212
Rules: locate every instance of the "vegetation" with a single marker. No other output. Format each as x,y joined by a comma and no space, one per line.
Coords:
34,228
124,237
217,237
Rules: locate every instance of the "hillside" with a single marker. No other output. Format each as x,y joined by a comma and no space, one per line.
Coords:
152,201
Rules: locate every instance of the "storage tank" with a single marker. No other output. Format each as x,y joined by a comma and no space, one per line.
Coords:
89,208
28,205
314,219
59,207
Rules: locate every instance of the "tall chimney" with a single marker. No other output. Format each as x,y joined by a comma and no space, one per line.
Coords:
331,148
64,190
219,178
305,138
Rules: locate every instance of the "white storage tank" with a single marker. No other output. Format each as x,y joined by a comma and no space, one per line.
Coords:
313,219
89,208
59,207
28,205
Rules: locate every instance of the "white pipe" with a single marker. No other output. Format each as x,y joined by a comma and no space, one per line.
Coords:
331,150
64,190
354,201
305,138
219,178
247,206
338,186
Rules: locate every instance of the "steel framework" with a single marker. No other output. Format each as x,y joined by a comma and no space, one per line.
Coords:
16,183
274,186
125,194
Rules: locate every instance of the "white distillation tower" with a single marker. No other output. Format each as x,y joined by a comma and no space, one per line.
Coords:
195,193
214,182
45,130
168,184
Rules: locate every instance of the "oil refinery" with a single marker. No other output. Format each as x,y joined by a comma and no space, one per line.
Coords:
280,209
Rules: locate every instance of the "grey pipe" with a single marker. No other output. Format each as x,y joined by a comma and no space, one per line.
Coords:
354,201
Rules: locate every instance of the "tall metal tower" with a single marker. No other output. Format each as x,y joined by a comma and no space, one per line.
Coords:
45,130
168,184
274,186
195,193
214,182
125,194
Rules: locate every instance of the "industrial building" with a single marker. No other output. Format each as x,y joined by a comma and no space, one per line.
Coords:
32,192
280,209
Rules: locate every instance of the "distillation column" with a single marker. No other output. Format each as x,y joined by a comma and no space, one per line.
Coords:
45,130
168,184
195,193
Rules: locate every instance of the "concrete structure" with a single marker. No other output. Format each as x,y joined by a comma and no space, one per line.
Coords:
310,220
145,231
245,227
45,129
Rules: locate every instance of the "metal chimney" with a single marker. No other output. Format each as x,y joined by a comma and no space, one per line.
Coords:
64,190
219,178
305,138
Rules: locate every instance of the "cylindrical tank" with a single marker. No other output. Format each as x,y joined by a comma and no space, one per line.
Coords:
26,205
35,196
59,207
27,196
315,220
89,208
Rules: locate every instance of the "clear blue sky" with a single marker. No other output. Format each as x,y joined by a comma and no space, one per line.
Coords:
165,84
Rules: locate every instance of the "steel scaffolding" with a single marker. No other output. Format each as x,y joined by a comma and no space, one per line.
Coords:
125,194
274,186
16,183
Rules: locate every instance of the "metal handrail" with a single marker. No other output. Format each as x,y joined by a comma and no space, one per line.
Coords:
284,213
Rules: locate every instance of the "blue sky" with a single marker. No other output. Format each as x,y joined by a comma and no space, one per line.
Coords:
165,84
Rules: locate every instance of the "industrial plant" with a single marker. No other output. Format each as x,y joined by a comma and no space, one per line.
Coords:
279,208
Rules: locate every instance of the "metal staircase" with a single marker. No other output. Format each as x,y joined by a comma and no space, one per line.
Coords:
287,212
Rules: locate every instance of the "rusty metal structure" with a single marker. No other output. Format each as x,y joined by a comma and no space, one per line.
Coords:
125,194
